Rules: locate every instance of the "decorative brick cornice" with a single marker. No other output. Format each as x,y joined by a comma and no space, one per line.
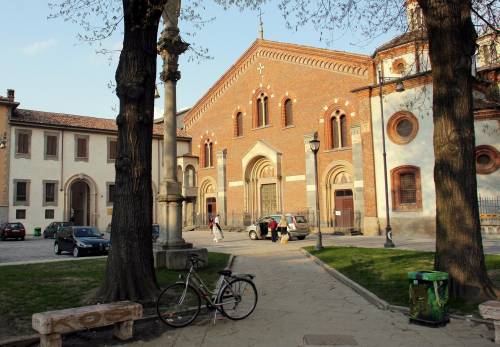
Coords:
341,62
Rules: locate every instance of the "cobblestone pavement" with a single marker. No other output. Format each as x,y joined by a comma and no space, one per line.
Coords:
39,249
302,305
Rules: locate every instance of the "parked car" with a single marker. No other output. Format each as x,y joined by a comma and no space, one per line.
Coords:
52,228
81,240
12,231
298,227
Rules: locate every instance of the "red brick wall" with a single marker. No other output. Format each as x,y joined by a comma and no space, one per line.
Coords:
312,88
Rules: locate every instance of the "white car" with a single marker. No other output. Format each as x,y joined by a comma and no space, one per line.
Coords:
298,227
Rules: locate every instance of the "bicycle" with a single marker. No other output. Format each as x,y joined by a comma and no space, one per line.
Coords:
179,304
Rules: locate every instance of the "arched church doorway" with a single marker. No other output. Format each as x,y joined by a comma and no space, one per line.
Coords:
262,188
344,209
208,199
211,207
80,203
338,195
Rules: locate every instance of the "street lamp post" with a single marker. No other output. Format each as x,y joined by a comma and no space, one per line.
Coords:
314,144
388,230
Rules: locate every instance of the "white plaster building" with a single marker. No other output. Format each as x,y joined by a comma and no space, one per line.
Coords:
60,167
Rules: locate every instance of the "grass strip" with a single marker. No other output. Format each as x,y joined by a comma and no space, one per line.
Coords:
31,288
384,271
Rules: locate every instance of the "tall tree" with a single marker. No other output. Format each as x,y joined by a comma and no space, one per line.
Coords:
130,269
130,272
451,34
459,249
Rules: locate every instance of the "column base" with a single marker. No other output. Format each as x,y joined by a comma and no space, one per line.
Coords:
178,259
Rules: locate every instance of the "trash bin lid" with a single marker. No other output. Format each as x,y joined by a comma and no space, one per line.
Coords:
428,275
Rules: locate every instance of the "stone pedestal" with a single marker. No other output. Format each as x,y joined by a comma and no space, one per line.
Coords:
178,259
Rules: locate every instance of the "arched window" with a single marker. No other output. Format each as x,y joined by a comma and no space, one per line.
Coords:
190,177
261,111
238,126
343,131
208,154
287,113
406,189
211,157
334,132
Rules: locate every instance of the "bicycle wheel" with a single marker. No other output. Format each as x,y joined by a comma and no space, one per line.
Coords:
178,305
237,299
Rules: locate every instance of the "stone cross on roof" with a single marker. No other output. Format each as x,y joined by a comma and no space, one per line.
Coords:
261,71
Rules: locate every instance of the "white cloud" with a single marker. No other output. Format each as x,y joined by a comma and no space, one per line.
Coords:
39,47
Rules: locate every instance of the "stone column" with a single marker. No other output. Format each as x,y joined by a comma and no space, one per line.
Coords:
357,163
310,179
221,186
171,249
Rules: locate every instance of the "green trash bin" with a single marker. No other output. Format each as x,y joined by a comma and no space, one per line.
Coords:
37,231
428,292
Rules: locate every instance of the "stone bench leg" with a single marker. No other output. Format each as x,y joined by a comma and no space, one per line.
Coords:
124,330
51,340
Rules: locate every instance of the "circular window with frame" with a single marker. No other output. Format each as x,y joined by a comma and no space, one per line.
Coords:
487,159
402,127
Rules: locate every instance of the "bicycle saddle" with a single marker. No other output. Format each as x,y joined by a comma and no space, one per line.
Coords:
225,272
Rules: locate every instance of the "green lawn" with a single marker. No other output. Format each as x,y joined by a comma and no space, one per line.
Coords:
27,289
384,271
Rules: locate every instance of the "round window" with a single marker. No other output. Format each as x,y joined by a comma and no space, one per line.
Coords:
402,127
487,159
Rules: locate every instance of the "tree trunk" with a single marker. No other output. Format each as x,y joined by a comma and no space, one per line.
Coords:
130,270
459,249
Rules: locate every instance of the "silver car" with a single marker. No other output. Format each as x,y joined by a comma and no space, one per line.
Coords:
298,227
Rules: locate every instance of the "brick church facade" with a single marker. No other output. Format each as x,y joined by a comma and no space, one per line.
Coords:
251,132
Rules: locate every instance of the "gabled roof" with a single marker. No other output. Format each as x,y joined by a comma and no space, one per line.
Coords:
74,122
357,65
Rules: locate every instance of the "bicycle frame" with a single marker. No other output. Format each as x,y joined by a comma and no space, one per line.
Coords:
209,296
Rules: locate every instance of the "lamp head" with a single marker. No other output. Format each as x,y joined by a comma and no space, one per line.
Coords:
314,143
157,93
2,144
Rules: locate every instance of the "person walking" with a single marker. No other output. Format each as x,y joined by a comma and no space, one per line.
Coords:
274,229
282,228
217,224
215,230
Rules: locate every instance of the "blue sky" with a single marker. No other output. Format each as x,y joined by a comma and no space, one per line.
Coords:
52,71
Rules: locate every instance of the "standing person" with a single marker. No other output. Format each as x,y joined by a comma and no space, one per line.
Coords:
217,224
274,229
215,231
282,228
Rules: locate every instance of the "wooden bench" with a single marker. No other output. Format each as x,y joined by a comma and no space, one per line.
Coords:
50,325
491,310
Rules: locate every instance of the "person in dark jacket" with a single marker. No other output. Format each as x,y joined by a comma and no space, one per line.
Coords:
274,230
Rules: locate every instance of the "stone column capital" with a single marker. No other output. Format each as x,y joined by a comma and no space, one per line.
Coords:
170,43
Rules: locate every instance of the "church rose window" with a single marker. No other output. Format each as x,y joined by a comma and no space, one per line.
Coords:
402,127
487,159
406,189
